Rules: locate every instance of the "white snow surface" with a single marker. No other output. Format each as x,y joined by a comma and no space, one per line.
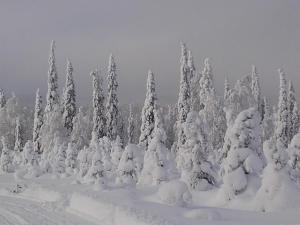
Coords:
61,201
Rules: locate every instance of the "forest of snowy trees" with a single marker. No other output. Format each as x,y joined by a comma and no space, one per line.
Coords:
206,140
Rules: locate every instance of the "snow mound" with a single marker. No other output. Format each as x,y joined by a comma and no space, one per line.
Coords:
175,193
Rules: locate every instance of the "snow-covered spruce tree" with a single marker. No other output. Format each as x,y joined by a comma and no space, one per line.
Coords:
18,137
242,152
294,157
105,148
96,171
148,112
116,153
240,98
184,98
112,103
283,116
37,122
226,90
122,132
31,160
69,99
71,158
295,120
2,98
99,120
80,136
291,105
130,166
212,110
18,147
194,78
206,83
29,154
52,92
52,129
59,165
155,169
215,120
268,121
255,88
83,161
8,117
170,125
6,159
192,161
131,126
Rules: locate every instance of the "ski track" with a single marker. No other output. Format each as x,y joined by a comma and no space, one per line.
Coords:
16,211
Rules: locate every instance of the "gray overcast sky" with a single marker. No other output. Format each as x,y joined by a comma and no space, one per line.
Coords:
146,34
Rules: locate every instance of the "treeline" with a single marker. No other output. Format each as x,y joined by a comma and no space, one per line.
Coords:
206,140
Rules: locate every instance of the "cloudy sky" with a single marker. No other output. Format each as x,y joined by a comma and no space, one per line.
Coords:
146,35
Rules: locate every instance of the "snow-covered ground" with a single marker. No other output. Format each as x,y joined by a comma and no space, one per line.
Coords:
47,200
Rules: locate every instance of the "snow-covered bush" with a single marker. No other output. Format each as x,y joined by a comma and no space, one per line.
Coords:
242,153
83,162
71,158
30,157
127,173
116,152
59,165
192,161
130,165
95,172
175,193
278,191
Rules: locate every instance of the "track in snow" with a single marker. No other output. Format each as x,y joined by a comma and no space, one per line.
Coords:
16,211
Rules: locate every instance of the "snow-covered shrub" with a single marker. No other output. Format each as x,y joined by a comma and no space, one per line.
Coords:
192,156
294,157
278,191
175,193
130,165
83,162
116,152
30,157
242,153
96,170
71,158
6,158
59,165
127,173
